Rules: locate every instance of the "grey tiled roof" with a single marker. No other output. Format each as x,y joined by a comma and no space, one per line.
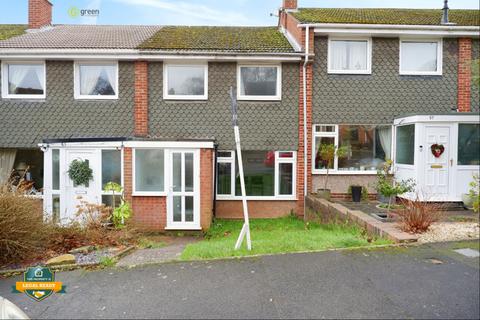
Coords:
83,37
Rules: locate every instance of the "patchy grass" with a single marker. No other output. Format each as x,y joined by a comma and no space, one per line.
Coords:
147,243
107,262
280,235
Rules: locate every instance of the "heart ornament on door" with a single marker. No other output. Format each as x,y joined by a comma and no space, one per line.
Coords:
437,149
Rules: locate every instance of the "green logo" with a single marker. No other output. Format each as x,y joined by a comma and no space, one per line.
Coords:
73,12
38,283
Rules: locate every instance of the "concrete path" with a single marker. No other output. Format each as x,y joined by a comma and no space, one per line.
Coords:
171,251
430,281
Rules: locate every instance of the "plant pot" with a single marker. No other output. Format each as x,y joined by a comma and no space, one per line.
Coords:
467,201
381,198
356,193
324,194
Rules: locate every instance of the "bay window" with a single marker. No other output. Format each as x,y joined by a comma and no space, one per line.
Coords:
420,57
96,80
149,178
259,82
185,82
267,174
469,144
23,80
350,56
367,147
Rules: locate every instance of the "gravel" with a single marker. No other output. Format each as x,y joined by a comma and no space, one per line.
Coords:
448,231
94,256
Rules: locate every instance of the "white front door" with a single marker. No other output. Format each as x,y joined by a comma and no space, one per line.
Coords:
183,201
74,194
437,168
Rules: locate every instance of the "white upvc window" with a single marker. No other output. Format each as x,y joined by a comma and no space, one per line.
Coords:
259,82
269,175
23,80
148,172
421,57
350,55
185,81
367,148
95,80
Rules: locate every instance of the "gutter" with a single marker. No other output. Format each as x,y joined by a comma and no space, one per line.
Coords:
305,140
390,26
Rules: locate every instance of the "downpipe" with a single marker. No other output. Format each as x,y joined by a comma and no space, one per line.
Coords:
305,139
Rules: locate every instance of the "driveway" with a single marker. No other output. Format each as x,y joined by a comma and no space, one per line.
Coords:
430,281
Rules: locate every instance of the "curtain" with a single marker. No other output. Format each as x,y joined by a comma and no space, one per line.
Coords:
16,75
339,55
385,134
88,79
349,55
7,159
110,72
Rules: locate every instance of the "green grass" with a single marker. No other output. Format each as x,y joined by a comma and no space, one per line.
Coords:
146,243
107,262
281,235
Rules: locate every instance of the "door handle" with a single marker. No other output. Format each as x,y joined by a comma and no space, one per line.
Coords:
451,162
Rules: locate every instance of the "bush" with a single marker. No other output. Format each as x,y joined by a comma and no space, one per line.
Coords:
418,215
22,231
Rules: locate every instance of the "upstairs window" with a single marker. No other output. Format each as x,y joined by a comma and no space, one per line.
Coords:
23,80
185,82
96,80
420,57
350,56
259,82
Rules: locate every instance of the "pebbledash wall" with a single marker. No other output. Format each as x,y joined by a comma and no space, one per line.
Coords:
381,96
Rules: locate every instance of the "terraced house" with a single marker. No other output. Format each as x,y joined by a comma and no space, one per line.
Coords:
149,107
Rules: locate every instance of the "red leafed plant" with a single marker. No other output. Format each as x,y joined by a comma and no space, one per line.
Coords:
418,215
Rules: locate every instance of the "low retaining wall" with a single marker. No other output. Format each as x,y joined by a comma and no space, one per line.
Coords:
323,211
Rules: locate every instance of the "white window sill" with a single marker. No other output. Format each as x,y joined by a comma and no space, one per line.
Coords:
259,98
24,97
413,73
256,198
99,97
193,228
353,72
149,194
345,172
180,98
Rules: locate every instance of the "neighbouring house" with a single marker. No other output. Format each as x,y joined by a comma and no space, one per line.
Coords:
390,84
149,107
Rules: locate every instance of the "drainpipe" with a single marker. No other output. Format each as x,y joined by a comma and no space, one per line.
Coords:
305,139
215,181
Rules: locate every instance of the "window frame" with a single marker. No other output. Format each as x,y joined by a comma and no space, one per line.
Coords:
276,196
148,193
368,70
5,77
336,136
102,192
277,97
167,96
439,71
76,80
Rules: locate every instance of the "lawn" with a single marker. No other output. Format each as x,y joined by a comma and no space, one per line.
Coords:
280,235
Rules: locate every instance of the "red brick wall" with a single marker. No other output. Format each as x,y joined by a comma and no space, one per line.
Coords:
233,209
464,74
39,13
289,4
141,99
206,187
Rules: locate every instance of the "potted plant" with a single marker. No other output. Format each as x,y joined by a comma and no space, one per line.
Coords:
327,153
356,193
471,200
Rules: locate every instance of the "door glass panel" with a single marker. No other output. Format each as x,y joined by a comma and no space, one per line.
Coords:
189,209
177,171
177,208
406,144
56,169
189,172
55,208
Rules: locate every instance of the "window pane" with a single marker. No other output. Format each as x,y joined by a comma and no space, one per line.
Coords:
26,79
189,172
224,154
259,172
111,167
149,170
56,169
177,171
177,208
56,208
111,200
468,144
348,55
186,80
405,142
324,128
419,56
258,81
366,147
285,176
97,80
189,209
224,178
319,162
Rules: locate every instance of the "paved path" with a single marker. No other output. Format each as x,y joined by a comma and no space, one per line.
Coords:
418,282
172,251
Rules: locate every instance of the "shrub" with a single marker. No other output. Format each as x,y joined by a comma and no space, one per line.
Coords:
418,215
22,231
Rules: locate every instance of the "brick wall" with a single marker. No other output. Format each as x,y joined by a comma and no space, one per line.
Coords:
289,4
39,13
206,187
464,74
141,98
233,209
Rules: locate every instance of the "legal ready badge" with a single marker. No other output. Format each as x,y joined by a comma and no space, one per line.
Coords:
38,283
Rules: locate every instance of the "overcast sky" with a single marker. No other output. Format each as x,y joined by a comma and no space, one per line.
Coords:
198,12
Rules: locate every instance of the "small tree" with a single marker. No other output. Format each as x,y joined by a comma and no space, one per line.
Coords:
327,153
474,192
123,211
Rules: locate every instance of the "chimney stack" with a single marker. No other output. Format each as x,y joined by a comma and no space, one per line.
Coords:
289,4
445,13
39,13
